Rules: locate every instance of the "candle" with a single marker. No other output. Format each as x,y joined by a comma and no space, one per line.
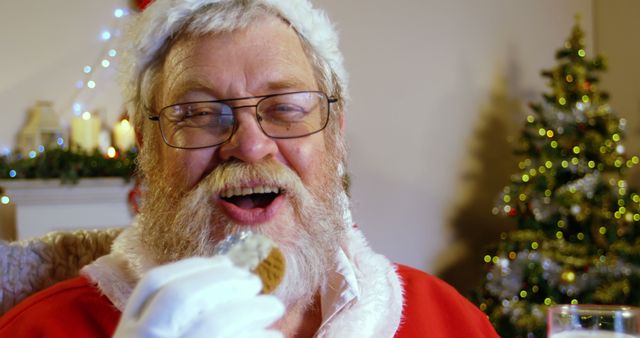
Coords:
85,131
123,135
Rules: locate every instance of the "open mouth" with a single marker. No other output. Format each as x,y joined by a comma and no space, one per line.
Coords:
251,198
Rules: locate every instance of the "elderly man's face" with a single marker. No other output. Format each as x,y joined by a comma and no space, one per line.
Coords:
187,207
264,59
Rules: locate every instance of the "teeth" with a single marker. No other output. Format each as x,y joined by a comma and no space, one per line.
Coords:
248,191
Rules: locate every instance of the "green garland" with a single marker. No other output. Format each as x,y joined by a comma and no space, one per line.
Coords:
67,165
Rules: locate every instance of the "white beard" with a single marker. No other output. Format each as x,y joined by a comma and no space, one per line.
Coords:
177,224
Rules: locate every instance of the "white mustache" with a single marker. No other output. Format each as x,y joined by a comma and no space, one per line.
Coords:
234,176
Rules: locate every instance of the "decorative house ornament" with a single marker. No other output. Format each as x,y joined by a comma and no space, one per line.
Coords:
42,129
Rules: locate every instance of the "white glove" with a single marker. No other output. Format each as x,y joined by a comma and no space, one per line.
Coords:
199,297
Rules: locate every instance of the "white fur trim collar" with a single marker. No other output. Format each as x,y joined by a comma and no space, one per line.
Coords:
373,309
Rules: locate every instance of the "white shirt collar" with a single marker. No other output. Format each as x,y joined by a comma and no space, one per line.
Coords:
340,290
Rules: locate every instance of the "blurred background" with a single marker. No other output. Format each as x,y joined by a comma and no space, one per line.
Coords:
439,92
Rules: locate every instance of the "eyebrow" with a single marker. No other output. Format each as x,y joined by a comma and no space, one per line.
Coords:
288,83
196,84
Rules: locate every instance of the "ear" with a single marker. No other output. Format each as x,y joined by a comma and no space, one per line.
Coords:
341,121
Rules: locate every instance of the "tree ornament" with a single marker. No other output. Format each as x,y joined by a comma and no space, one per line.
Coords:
568,276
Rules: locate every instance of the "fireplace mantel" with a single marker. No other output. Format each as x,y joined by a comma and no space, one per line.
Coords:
41,206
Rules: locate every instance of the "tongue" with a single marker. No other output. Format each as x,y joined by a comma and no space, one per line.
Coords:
244,202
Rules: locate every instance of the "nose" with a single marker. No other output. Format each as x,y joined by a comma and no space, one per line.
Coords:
249,143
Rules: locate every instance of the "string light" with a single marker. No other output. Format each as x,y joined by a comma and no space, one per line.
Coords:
111,152
106,35
5,200
13,173
77,108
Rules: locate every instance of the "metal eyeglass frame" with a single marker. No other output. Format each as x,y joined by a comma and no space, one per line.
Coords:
329,99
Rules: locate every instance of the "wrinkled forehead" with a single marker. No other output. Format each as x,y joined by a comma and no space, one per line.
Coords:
260,59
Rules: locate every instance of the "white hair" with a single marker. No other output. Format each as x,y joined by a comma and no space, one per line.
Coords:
153,31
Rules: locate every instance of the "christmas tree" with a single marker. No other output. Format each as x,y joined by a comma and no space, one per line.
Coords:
577,221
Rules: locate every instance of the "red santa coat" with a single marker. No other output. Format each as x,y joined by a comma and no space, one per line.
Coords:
76,308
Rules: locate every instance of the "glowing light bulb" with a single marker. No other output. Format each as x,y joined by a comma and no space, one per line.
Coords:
77,108
13,173
105,63
86,116
118,13
5,200
111,152
112,52
87,69
91,84
106,35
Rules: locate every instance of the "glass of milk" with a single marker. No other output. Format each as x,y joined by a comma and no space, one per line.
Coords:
593,321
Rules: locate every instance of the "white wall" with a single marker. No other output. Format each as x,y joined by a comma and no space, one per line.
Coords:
436,88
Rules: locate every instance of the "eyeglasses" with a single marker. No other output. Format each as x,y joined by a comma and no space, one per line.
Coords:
203,124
